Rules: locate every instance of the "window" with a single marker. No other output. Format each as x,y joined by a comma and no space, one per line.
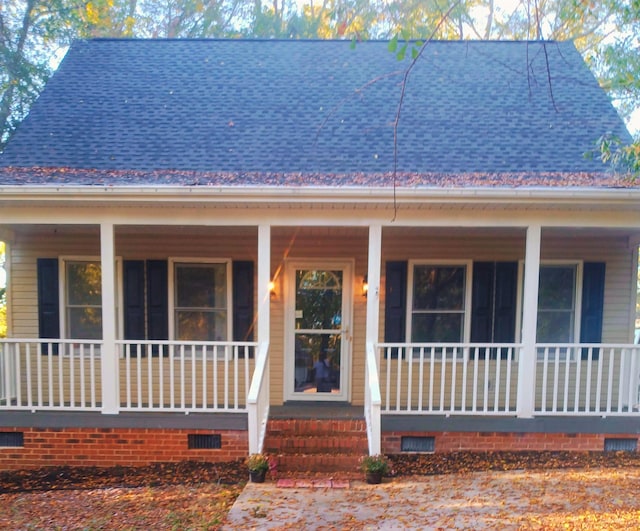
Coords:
83,299
557,303
437,302
201,301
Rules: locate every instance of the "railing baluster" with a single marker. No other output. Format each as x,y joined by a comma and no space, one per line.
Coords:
421,380
610,379
431,376
27,354
576,402
598,404
454,365
587,391
215,376
387,399
567,380
193,376
474,396
409,377
204,376
465,369
497,376
485,402
401,355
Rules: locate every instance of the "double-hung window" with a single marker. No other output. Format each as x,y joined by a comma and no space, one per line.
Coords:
437,302
83,299
201,301
557,303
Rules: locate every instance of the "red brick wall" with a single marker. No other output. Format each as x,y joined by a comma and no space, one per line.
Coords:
487,441
115,446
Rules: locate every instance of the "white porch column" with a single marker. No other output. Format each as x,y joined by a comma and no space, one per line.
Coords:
109,355
528,355
373,278
258,396
372,385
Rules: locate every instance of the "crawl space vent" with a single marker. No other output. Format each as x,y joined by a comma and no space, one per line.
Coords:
11,439
418,444
620,445
199,441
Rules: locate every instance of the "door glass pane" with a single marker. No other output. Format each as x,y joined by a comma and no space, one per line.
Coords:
318,300
318,322
317,363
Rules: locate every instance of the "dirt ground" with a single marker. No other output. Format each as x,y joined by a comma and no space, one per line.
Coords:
200,495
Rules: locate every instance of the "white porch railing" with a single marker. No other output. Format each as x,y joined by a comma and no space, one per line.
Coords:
258,401
186,377
575,379
41,374
450,379
372,401
44,375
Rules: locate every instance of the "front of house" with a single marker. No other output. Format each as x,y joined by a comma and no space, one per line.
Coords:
193,253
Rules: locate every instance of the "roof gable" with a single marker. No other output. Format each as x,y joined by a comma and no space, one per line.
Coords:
315,107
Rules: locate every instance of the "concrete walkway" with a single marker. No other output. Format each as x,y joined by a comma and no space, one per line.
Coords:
602,499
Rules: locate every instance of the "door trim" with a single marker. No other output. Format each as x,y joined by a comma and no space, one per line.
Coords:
347,266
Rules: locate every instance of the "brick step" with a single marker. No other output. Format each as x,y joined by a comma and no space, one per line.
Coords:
317,463
316,445
307,427
313,445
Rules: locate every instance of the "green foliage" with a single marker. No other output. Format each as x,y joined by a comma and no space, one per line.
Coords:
257,462
375,463
623,158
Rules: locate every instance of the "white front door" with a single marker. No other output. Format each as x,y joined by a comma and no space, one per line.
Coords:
317,327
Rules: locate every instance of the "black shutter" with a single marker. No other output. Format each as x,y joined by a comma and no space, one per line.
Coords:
134,303
157,300
493,305
504,320
243,307
593,275
48,301
395,303
482,302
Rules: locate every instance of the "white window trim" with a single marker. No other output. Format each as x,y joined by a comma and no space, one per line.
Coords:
62,292
466,334
579,265
171,287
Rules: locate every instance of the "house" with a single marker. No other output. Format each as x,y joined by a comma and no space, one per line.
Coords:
212,242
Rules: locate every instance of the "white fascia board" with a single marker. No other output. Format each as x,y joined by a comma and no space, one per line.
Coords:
316,195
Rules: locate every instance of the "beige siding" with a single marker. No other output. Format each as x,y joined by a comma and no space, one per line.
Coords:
399,243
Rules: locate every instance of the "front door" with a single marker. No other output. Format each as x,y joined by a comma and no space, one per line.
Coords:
317,327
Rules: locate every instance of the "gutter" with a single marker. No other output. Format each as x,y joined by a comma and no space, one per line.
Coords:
316,195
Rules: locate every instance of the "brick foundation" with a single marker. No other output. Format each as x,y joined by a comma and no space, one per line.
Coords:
115,446
488,441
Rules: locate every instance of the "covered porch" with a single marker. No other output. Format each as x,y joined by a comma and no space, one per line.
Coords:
520,377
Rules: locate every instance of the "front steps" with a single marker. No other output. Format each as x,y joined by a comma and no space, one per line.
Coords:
316,445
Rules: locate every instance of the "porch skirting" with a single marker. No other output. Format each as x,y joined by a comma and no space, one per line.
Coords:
79,439
460,433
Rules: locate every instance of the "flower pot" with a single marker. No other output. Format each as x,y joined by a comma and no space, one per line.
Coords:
257,476
373,478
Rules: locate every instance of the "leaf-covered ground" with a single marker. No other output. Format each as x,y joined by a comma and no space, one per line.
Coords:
193,495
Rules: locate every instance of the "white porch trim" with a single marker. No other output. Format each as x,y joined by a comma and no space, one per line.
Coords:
109,357
527,361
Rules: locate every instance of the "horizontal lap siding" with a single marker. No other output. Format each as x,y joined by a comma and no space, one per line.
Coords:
620,287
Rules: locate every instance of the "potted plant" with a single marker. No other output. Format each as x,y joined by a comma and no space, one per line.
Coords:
374,467
258,464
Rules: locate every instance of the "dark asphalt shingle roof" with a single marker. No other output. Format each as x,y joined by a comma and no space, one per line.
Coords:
312,108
